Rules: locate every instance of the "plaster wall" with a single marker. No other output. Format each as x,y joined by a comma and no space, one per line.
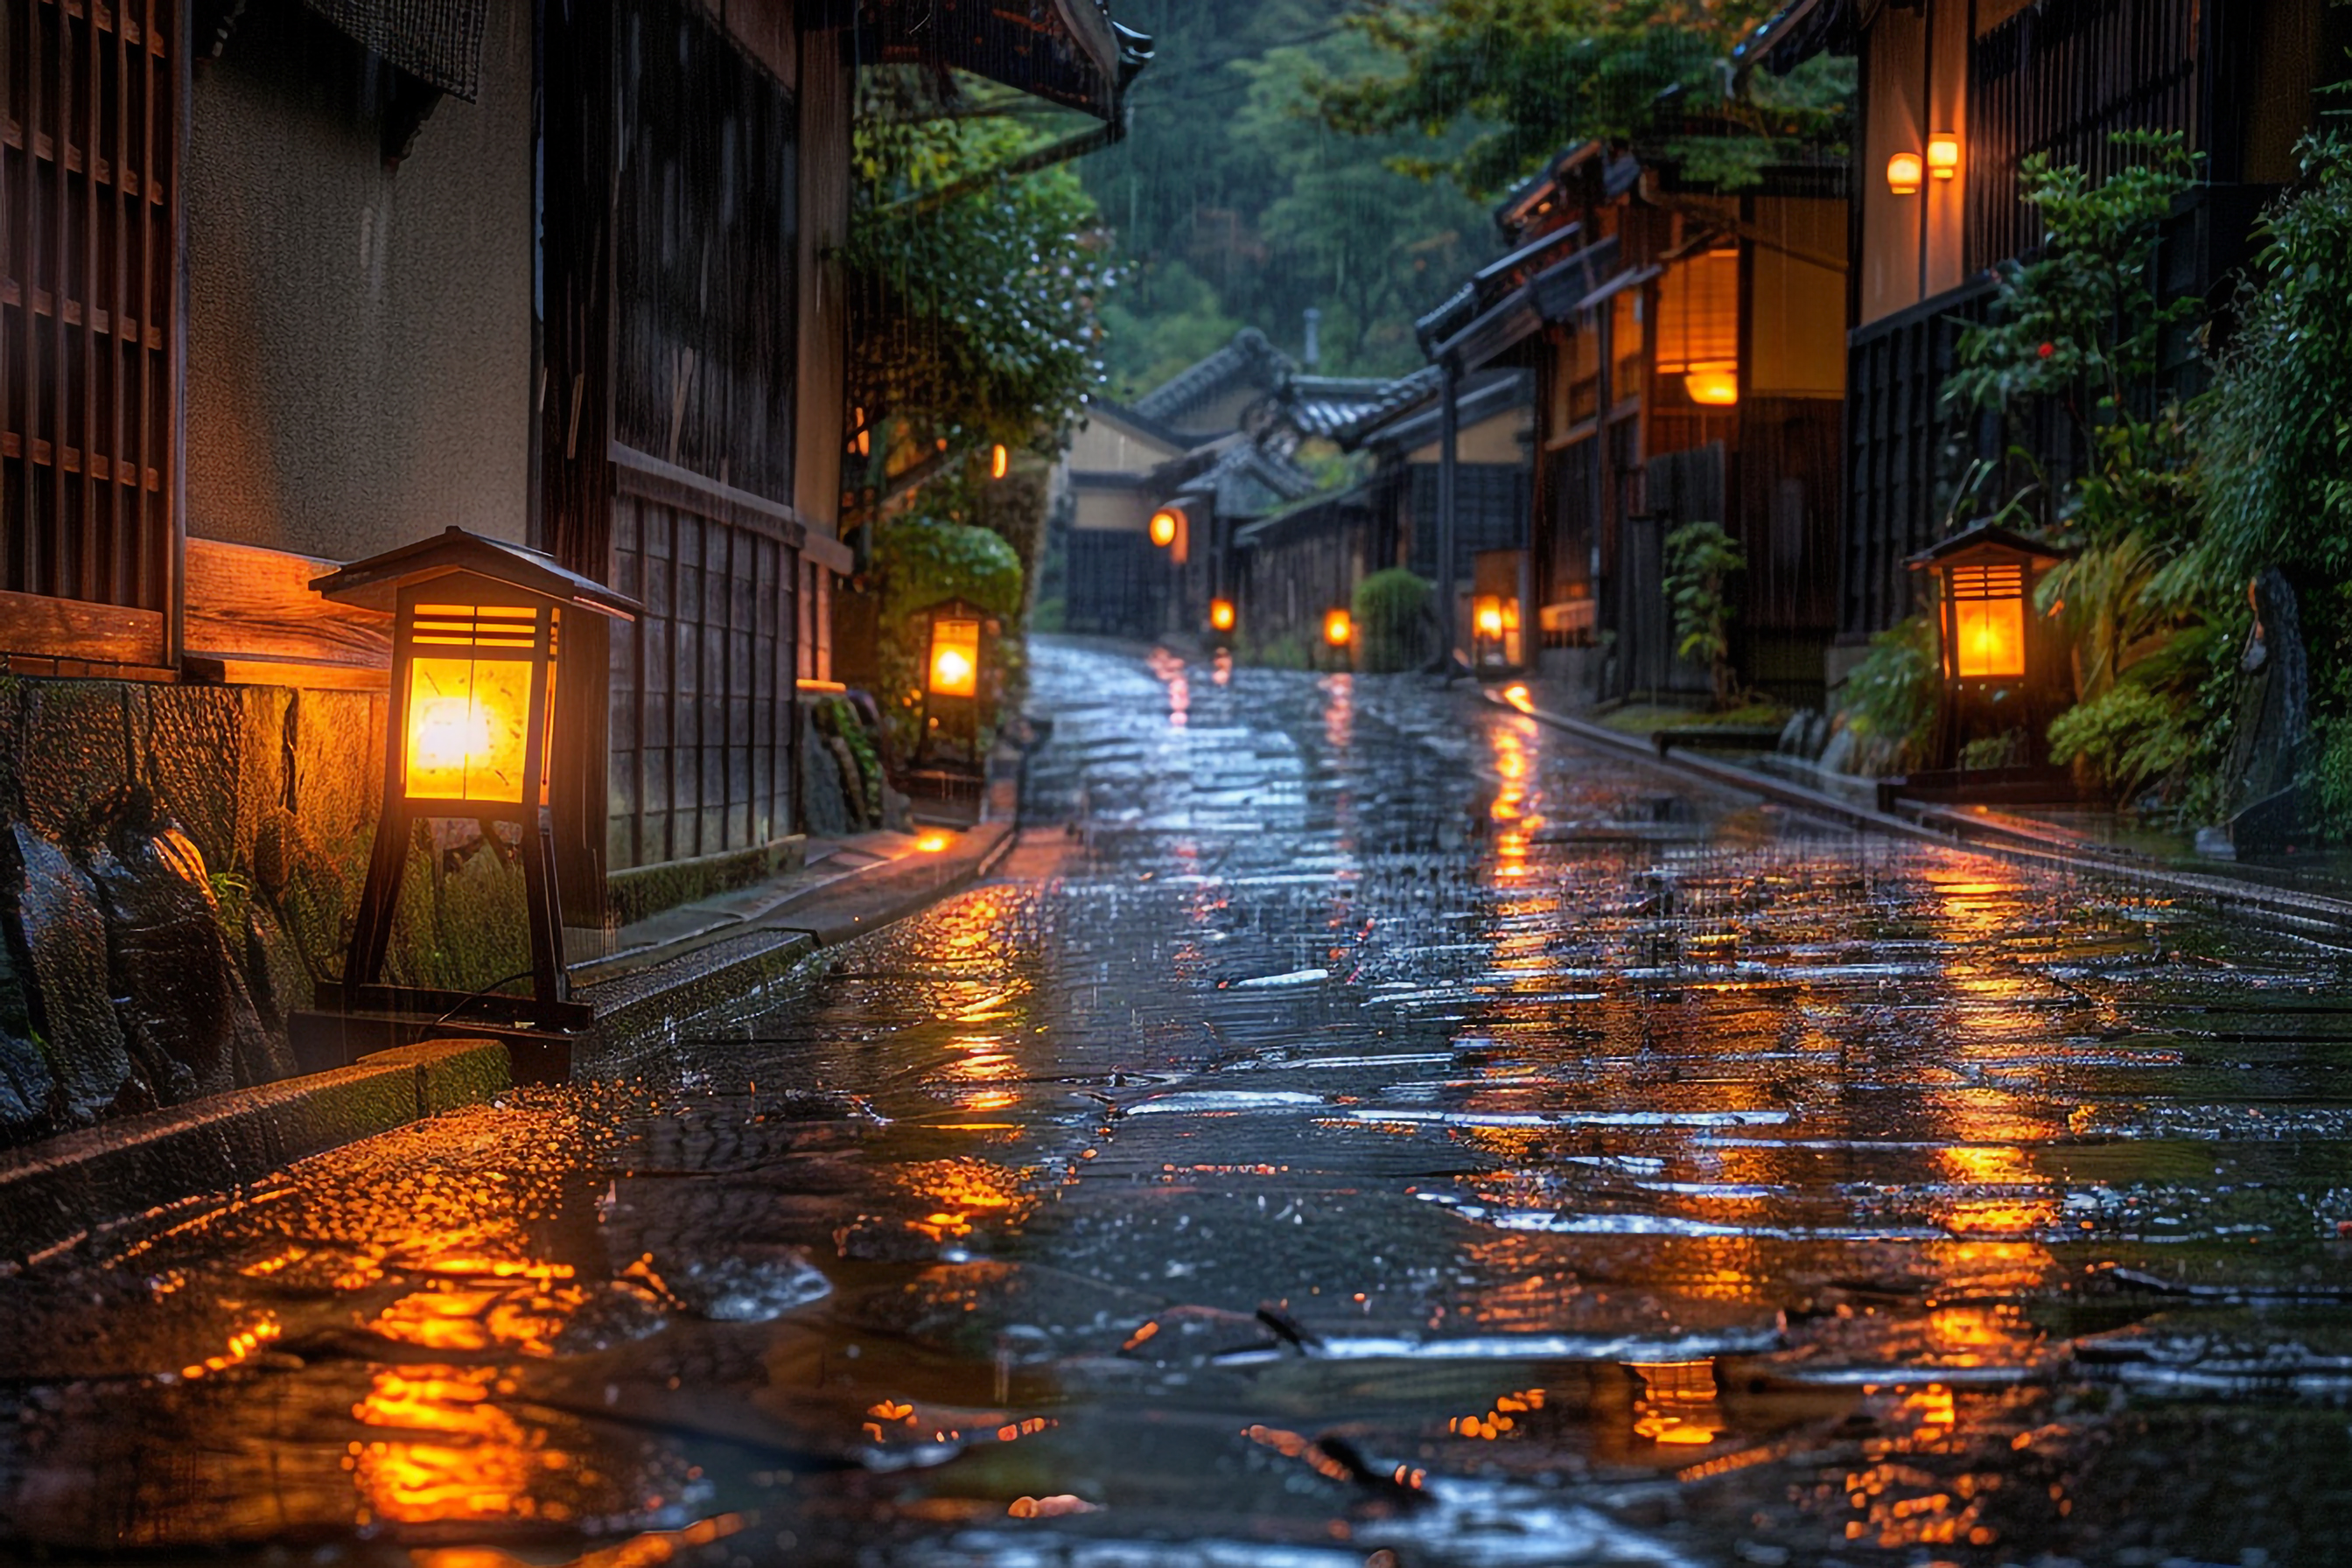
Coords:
1118,511
359,338
1106,447
1501,439
1914,84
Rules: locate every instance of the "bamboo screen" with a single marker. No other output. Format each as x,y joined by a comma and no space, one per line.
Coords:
88,299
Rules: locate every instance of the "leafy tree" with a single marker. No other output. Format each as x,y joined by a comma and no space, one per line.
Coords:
1531,76
1231,208
1376,247
1701,561
972,297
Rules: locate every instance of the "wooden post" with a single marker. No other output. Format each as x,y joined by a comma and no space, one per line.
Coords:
576,145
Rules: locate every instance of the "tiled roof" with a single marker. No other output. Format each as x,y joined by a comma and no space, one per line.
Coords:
1249,359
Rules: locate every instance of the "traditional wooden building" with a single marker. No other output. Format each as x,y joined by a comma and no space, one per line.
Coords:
287,282
1954,95
1684,346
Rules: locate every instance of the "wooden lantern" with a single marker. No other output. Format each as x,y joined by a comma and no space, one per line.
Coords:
2003,665
478,628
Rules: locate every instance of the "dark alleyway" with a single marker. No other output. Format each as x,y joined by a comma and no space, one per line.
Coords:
1354,1121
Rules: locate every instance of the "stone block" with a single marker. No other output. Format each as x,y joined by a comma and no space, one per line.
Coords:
76,751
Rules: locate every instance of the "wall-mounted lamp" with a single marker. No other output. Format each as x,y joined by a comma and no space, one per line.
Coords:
1164,523
1943,155
1904,172
998,461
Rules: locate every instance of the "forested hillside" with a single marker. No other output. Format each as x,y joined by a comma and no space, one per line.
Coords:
1233,207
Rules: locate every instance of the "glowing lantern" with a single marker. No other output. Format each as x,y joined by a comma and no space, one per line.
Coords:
1944,155
1164,524
955,665
477,630
1715,385
1494,631
1339,628
1220,614
955,656
998,461
2000,672
1904,172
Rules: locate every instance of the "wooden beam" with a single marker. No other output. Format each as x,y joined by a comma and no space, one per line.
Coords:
248,609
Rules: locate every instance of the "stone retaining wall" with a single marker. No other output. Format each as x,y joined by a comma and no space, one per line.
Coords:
179,867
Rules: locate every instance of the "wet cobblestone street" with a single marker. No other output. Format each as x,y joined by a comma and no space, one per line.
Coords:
1354,1120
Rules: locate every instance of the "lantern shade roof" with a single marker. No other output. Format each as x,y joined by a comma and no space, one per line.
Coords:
375,582
1984,540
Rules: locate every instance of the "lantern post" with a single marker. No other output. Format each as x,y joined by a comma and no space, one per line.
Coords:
956,652
478,626
2003,665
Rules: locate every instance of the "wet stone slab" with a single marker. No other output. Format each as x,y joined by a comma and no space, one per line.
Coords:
1353,1122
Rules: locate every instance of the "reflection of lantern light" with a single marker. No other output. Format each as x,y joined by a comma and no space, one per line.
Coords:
1338,629
1717,386
955,657
1163,528
932,843
1944,155
1220,614
1903,172
998,461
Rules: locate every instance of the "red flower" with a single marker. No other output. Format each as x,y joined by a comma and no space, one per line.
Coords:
2048,349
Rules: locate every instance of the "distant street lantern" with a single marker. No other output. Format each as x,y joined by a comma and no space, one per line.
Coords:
1944,155
1904,172
954,664
1166,523
955,656
2002,666
1220,614
1338,629
477,627
999,462
1494,632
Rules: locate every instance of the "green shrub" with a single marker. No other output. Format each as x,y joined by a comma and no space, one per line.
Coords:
1701,560
2275,434
1890,697
1392,612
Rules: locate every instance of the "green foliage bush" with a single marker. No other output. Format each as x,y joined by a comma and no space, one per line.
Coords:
2083,329
1393,622
972,297
1701,560
1890,697
2276,442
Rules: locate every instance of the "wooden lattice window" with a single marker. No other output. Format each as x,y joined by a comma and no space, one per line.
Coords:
88,306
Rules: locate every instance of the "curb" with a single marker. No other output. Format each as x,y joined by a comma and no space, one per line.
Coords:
2310,913
635,1011
58,1192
